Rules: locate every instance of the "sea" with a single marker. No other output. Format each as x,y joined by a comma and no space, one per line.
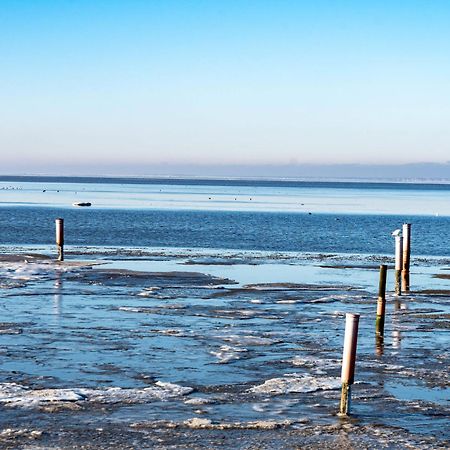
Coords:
210,313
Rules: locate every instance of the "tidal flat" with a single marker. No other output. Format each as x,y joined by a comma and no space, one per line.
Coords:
128,348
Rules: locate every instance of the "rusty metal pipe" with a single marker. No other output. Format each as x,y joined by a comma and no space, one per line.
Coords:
60,238
348,360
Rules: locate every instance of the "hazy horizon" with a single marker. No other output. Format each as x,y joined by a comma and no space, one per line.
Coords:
423,171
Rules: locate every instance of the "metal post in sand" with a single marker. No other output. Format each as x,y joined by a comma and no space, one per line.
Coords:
381,310
398,264
60,238
348,361
406,256
381,303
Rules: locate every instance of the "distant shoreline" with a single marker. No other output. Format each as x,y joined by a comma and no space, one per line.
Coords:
371,183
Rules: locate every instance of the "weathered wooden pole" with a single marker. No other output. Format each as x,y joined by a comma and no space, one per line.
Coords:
60,238
398,264
381,304
348,361
406,256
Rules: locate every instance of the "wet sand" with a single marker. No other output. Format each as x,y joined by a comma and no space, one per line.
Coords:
121,355
345,435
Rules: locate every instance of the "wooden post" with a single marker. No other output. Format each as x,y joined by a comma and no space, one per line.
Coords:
60,238
381,304
406,256
398,264
348,361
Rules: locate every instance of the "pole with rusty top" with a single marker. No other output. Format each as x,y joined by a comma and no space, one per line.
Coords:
348,361
60,238
406,231
381,304
398,264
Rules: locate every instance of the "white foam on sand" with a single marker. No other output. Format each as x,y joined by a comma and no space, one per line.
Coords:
16,395
292,383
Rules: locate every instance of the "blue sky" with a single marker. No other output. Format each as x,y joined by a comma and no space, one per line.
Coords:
223,82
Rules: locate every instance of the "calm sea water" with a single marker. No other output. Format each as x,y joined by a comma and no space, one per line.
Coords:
250,215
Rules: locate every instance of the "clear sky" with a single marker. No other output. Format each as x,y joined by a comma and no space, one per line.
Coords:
146,82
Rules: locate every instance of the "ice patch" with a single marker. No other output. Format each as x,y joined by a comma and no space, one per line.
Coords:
329,299
293,383
132,309
20,396
198,401
30,268
312,362
170,332
247,340
197,423
227,354
10,331
161,391
11,433
149,292
16,395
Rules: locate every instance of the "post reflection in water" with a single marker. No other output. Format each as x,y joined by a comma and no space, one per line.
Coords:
396,333
57,296
379,345
396,338
399,305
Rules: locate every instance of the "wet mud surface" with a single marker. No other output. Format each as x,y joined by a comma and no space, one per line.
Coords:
141,353
181,436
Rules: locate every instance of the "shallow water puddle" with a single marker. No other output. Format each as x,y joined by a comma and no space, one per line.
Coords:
413,390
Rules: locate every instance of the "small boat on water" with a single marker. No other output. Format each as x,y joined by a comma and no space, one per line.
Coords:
82,204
